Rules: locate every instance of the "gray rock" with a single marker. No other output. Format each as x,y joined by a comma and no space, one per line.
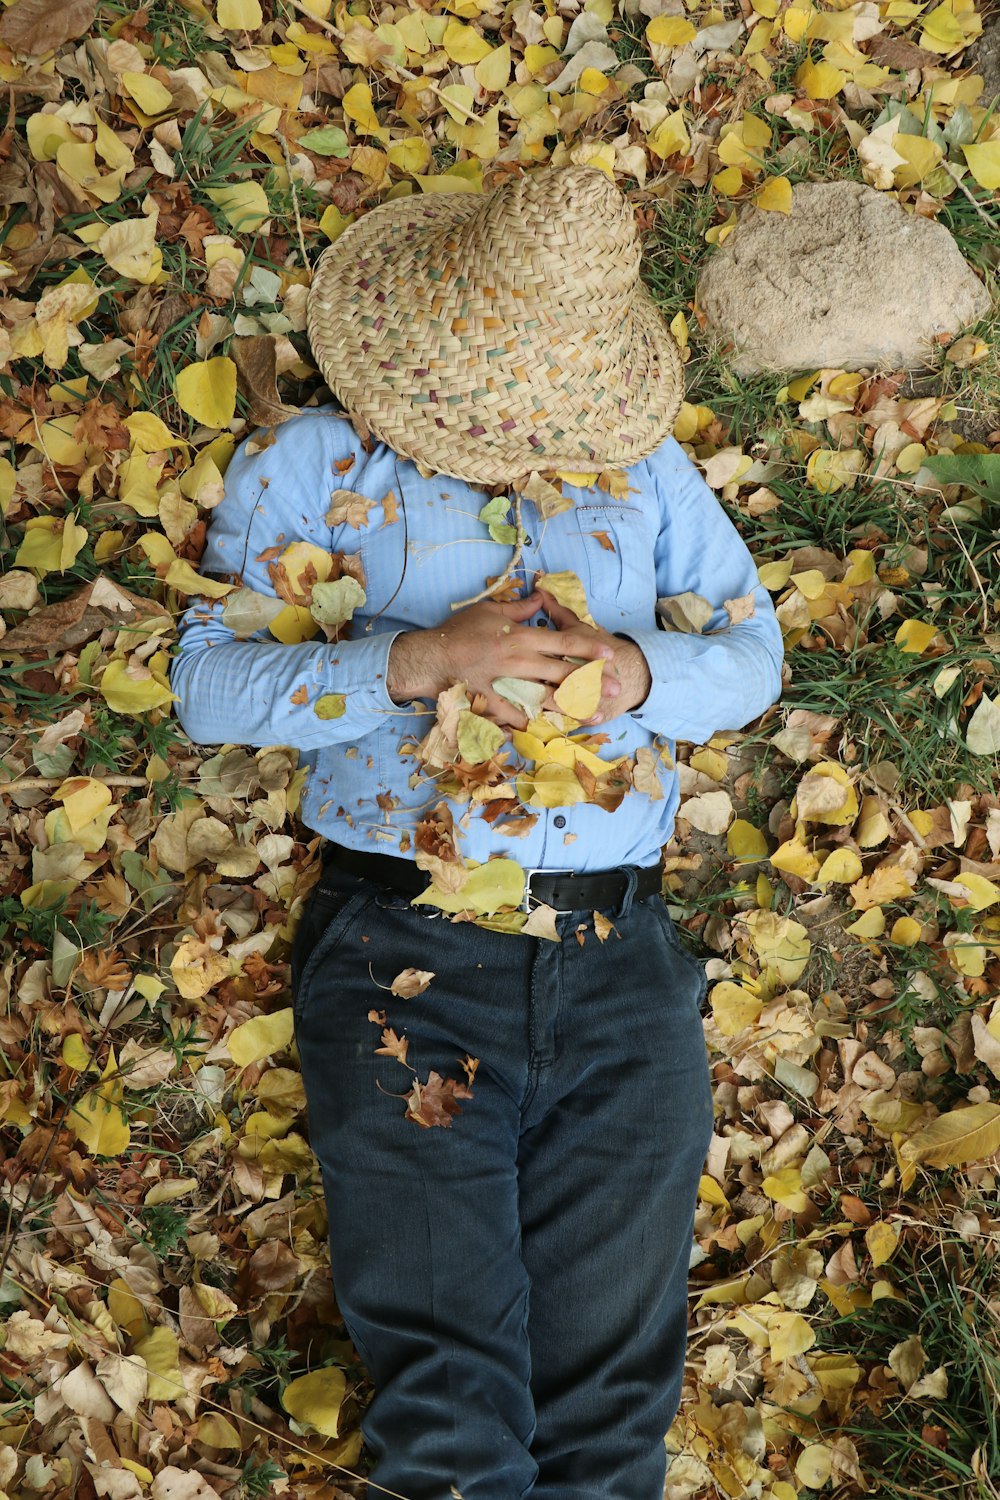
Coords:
984,59
847,280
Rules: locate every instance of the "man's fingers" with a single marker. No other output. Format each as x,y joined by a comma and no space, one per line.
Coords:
588,643
522,609
564,618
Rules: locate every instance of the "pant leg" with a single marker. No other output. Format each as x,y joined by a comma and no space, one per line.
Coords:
424,1232
612,1149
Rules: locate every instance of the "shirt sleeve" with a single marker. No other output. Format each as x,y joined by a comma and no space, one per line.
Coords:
256,690
729,674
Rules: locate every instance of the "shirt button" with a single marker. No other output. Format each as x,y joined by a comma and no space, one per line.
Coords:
559,821
528,541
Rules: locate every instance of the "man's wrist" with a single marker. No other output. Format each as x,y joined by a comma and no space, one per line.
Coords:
638,681
410,670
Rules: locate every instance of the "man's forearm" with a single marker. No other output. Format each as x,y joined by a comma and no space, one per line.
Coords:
415,668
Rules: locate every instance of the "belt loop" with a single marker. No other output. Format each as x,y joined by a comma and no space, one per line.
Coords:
630,890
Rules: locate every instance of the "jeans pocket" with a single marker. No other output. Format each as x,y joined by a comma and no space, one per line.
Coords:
330,911
696,969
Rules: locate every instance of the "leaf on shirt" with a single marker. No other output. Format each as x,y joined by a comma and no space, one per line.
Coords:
739,609
579,694
567,590
390,510
330,706
334,603
688,612
605,540
247,611
494,517
547,497
645,776
525,695
349,508
479,739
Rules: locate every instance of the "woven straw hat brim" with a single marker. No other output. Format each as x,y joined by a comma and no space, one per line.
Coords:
468,375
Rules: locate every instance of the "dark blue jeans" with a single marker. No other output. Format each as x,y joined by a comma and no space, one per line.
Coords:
516,1283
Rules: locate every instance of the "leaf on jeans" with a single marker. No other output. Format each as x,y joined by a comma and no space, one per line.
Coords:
499,882
411,982
541,923
436,1101
393,1046
604,927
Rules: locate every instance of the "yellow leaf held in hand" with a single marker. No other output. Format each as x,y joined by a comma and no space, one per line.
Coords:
206,391
567,590
579,694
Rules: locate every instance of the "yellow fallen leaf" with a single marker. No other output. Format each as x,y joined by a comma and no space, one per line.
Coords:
239,15
733,1007
790,1335
152,96
206,391
315,1399
915,635
814,1465
82,797
819,80
881,1239
357,106
243,205
130,248
74,1052
744,841
463,43
97,1119
493,69
333,222
829,469
982,892
840,865
793,858
942,30
956,1138
984,163
775,196
670,31
782,945
128,694
50,544
260,1037
670,136
709,1191
727,182
579,694
905,931
785,1187
161,1353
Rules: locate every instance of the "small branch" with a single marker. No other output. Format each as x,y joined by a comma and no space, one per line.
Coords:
505,576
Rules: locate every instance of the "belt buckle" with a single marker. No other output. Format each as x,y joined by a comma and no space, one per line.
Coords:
560,912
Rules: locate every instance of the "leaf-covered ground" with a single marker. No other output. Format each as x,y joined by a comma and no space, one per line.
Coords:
169,174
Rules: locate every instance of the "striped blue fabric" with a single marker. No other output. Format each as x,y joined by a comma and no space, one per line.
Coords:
670,536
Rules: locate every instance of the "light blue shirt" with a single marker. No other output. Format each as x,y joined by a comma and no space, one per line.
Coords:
670,536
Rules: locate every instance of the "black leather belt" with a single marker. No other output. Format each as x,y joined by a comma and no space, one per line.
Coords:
564,890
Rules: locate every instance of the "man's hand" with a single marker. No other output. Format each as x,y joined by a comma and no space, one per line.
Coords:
490,640
632,679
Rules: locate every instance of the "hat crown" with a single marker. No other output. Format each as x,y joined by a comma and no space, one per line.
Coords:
528,233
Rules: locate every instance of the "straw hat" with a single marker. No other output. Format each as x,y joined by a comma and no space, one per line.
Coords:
489,337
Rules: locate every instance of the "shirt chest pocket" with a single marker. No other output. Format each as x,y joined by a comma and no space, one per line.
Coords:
615,552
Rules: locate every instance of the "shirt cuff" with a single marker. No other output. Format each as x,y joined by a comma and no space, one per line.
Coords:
359,670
